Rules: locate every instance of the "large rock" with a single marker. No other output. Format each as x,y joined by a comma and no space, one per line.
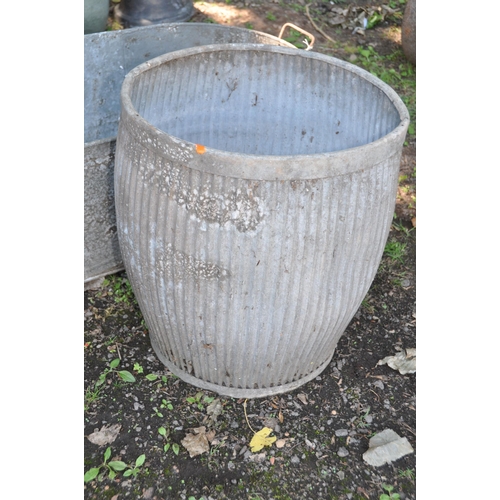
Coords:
386,447
409,32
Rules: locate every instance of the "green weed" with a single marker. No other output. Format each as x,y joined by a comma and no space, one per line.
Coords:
91,395
362,421
397,72
297,7
370,309
120,288
122,374
197,400
374,19
295,38
162,431
395,250
133,471
112,467
389,495
400,227
395,4
407,474
164,404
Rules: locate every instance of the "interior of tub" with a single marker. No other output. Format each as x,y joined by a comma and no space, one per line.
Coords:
263,102
110,55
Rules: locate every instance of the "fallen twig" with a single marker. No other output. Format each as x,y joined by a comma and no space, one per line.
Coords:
318,29
245,410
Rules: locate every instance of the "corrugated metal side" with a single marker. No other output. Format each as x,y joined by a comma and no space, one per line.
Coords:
253,309
247,285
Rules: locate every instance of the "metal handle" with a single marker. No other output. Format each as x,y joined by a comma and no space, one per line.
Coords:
300,30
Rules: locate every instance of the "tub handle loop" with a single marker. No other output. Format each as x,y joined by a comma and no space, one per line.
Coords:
300,30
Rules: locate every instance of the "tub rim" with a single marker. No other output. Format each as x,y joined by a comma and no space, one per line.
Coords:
254,166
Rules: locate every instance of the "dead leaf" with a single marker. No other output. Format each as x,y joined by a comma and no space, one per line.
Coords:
280,417
196,442
337,20
106,435
271,460
414,222
302,397
404,361
214,409
261,439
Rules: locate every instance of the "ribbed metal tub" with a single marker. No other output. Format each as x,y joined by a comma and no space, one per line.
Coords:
109,56
255,188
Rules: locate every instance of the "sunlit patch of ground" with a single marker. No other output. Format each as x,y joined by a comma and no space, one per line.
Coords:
223,13
392,33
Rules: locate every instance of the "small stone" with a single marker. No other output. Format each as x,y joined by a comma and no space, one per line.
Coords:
342,452
341,475
310,444
280,443
258,457
295,459
148,494
341,432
